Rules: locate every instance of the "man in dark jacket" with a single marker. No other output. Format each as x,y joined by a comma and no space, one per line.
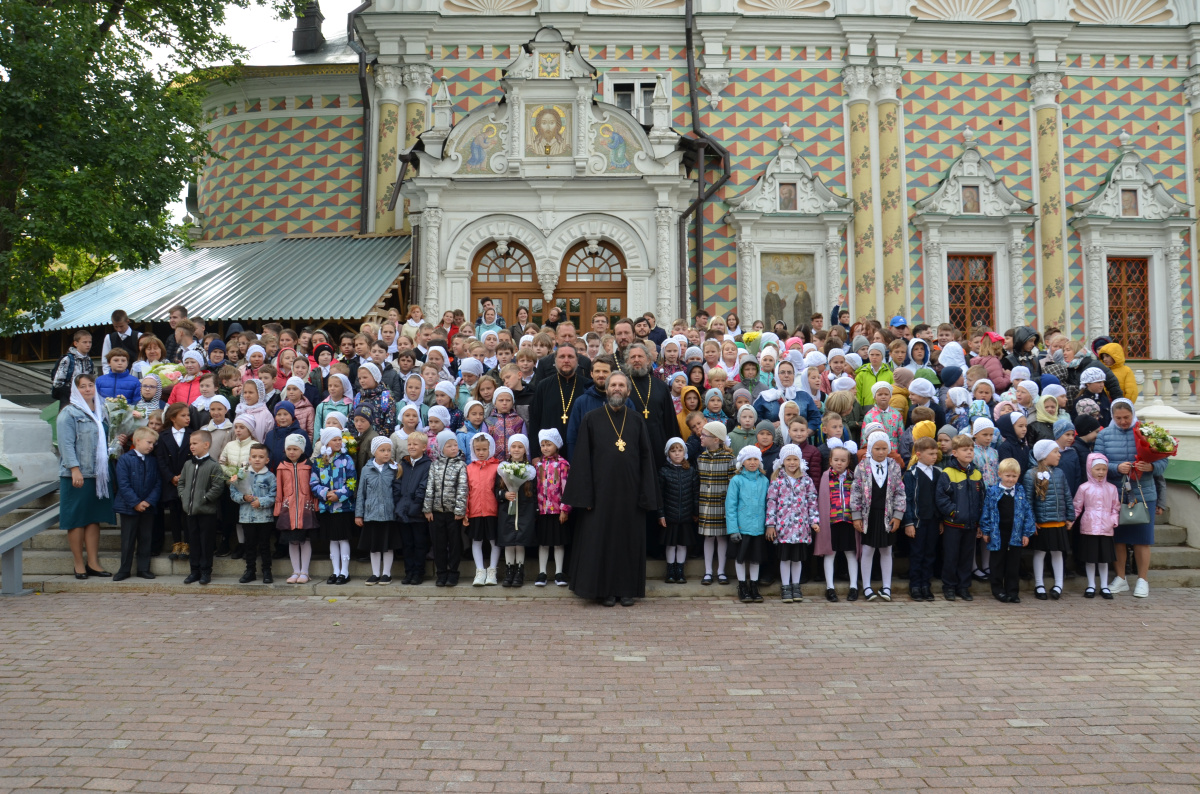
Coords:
593,398
960,501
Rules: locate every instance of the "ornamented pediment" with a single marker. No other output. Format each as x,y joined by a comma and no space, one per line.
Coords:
788,186
971,188
1130,191
548,125
965,10
1123,12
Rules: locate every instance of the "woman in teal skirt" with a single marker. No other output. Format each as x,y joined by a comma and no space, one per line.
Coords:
85,480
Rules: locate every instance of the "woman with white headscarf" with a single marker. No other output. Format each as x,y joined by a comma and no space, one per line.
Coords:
85,493
785,389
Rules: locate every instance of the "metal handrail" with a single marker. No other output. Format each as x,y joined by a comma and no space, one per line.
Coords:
13,538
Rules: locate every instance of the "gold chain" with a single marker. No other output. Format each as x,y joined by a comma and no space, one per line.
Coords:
646,402
621,432
566,401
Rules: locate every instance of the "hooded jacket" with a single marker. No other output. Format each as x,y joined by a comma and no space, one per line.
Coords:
746,503
909,363
277,436
1124,375
1020,357
1097,502
119,384
1019,449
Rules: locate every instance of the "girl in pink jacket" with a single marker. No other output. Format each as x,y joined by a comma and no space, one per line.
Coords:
1098,504
991,347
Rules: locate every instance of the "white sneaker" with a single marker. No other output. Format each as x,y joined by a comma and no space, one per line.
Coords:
1141,589
491,577
1118,585
480,577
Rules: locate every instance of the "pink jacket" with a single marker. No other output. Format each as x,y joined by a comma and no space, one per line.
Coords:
995,373
1097,502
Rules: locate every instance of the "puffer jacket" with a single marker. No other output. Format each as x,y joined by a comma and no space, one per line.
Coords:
262,485
680,493
995,372
374,498
960,495
1023,525
481,499
137,482
291,488
1097,503
1124,375
446,491
1119,447
1057,506
408,490
338,476
746,504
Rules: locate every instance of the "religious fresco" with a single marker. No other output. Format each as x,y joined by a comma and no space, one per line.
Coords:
548,130
615,141
789,282
478,145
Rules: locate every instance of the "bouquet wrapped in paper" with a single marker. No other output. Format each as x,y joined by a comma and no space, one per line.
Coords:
242,481
1153,443
752,340
168,373
121,422
514,476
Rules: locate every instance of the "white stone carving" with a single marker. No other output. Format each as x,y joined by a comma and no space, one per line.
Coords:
1016,273
1123,12
857,81
1045,87
972,170
887,82
597,227
790,8
417,79
1191,89
747,264
1130,173
431,234
664,230
1175,291
789,167
489,7
965,10
389,80
494,228
714,81
935,291
833,265
635,6
1096,295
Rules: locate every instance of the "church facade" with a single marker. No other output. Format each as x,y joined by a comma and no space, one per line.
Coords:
998,162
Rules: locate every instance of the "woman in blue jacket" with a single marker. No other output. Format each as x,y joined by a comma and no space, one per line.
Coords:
1116,442
746,521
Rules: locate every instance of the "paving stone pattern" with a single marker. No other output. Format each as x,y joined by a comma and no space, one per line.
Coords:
199,694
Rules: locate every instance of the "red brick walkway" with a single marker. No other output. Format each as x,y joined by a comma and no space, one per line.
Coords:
222,694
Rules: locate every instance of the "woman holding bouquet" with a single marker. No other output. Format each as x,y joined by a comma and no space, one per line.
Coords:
1118,443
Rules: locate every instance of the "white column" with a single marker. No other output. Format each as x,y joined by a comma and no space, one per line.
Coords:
747,279
664,225
1016,257
1095,277
431,235
1175,288
935,290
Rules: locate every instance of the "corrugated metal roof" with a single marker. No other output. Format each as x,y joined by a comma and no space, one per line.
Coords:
314,278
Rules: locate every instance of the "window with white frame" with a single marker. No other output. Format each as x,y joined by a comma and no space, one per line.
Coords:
634,91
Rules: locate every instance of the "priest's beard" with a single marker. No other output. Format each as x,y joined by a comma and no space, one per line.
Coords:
639,372
615,401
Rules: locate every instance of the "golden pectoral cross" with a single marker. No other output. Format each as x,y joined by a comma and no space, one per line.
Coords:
620,445
646,412
564,418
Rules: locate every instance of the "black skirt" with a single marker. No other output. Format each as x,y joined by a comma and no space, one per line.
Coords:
1051,539
751,548
335,526
294,535
681,534
795,552
379,536
1097,549
482,528
841,537
877,534
551,532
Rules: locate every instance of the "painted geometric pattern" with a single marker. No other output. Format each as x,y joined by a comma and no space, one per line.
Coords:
938,106
296,175
1095,110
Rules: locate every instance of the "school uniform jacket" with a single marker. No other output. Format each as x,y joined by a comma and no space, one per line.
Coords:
170,458
864,483
960,495
1023,525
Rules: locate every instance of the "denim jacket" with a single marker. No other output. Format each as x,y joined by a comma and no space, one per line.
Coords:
77,442
262,485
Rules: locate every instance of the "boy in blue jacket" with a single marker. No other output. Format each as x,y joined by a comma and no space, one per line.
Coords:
138,491
1007,525
118,382
960,501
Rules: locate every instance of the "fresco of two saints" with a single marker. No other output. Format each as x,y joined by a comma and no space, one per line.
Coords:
787,298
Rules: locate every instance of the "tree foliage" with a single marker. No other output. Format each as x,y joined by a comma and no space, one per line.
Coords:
100,116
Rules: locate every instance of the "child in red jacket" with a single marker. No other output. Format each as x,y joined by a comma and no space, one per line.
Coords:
482,507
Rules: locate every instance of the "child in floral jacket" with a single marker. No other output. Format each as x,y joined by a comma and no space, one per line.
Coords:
333,482
552,473
792,515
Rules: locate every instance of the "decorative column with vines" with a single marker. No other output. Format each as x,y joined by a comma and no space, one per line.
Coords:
857,81
891,199
1045,87
389,80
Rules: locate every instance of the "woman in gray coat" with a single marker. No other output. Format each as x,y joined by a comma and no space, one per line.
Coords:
86,483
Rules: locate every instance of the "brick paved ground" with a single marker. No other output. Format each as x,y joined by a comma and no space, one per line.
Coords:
222,694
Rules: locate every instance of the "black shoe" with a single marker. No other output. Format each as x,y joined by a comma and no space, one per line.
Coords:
247,577
206,578
541,580
239,553
91,572
669,578
440,581
979,575
965,594
627,601
1014,599
1001,597
342,579
451,582
852,595
1055,592
222,551
611,601
1106,594
706,581
519,575
145,575
948,593
332,579
831,595
560,579
192,578
1088,593
743,593
510,573
870,594
385,579
916,593
755,596
1040,593
929,595
680,578
267,578
722,579
120,576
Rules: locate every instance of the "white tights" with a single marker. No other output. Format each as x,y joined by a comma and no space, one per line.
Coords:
339,555
740,568
851,563
477,553
1039,565
300,553
677,554
722,544
789,572
867,560
1090,568
381,563
559,552
514,555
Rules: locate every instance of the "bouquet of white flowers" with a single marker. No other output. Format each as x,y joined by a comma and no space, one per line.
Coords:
514,476
121,422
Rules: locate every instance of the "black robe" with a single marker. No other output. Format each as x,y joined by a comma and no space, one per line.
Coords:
546,408
610,492
662,422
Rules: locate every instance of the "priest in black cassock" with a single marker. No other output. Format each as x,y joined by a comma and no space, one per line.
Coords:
610,489
554,395
652,399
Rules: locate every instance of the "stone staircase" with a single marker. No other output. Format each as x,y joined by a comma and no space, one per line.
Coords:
48,568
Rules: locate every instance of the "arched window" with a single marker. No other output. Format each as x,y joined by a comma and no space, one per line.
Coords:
604,263
514,265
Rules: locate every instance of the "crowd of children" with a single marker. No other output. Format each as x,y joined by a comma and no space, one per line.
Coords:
846,443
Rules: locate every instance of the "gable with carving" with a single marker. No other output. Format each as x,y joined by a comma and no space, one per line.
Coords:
788,185
1130,190
971,188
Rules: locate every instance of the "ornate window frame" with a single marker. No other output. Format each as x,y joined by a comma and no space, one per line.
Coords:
997,229
817,227
1155,232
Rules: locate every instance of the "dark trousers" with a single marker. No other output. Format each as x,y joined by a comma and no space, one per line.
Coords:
922,548
202,542
136,530
227,520
414,544
1006,566
958,557
176,521
447,543
258,544
159,533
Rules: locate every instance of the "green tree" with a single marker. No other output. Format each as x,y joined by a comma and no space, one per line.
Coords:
100,121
